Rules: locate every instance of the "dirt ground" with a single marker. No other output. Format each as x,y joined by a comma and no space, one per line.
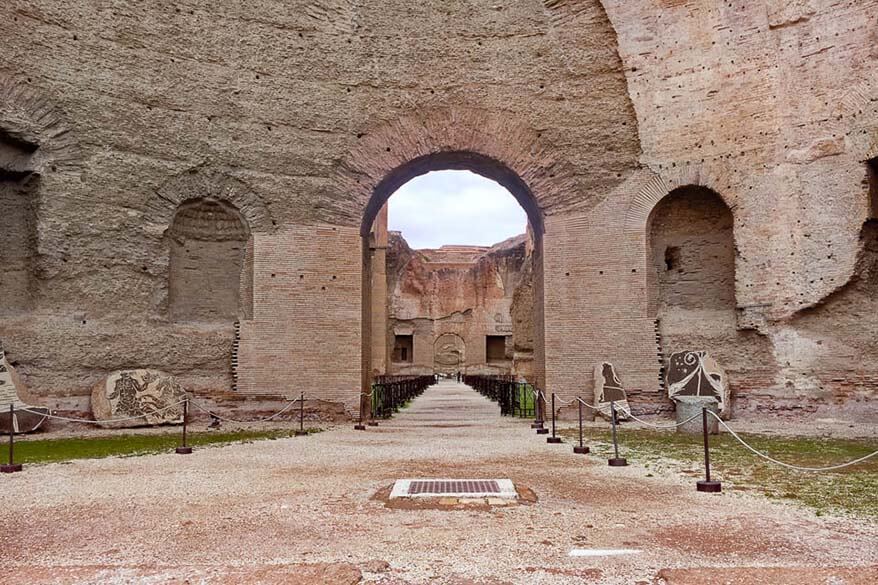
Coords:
313,510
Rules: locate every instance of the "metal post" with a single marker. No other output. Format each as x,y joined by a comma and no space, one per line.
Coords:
616,461
185,449
373,419
554,438
301,432
361,426
580,449
707,485
541,411
11,466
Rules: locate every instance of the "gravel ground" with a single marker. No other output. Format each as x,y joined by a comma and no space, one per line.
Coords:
241,513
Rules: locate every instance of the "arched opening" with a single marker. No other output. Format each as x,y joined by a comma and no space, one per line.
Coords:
207,240
692,247
449,354
691,280
452,304
19,189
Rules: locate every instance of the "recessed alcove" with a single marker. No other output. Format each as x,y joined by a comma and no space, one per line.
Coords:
207,243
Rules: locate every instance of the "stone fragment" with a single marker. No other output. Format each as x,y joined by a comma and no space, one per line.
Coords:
695,373
151,395
691,406
607,389
11,385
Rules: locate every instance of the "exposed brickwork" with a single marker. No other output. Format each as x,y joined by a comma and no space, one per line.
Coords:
452,300
305,335
314,112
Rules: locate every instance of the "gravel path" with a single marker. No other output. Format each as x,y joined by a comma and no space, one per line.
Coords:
250,509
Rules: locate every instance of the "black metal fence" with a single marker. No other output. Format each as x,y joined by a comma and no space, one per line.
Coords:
390,393
515,398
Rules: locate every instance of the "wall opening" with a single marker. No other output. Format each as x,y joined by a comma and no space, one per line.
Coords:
458,294
872,179
208,239
403,348
495,348
693,252
19,190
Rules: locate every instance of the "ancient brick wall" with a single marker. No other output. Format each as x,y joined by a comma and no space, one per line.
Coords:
313,112
305,334
452,300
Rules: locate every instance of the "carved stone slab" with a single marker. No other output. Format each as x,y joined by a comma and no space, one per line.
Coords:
149,394
21,420
607,389
695,373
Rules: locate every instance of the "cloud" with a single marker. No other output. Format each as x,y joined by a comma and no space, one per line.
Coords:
454,207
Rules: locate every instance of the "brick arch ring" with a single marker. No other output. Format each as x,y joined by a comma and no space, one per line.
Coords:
206,183
493,145
40,123
656,186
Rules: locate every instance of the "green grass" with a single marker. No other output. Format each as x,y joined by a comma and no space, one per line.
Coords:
851,490
127,445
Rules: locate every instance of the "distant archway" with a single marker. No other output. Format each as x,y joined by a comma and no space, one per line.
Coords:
484,166
449,354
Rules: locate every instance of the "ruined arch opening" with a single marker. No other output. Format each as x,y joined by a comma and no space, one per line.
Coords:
19,190
465,297
692,250
207,241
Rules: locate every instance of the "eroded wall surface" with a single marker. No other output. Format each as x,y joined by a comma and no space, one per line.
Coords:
113,116
451,299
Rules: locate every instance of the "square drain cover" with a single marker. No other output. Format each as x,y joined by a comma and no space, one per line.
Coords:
453,488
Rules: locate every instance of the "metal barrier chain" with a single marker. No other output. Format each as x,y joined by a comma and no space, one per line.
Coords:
787,465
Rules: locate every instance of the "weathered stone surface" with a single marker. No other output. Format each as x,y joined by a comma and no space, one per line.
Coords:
695,373
451,299
691,406
150,394
601,109
10,386
608,389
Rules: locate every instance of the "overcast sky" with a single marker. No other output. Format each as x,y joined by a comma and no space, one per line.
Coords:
454,207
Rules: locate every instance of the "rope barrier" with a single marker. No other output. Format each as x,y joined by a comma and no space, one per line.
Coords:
103,422
631,414
258,420
670,426
163,409
781,463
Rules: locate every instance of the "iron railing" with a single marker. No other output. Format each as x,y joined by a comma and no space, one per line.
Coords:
515,398
390,393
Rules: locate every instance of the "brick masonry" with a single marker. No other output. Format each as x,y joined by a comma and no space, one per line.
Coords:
590,112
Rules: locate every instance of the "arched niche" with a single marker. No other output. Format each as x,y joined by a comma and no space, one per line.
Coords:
691,251
207,240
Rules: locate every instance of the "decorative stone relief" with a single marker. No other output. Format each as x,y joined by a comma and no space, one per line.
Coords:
695,373
607,389
21,420
149,394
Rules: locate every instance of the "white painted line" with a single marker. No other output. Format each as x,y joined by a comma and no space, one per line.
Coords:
603,552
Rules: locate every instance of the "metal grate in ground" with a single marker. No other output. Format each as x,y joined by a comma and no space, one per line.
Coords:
459,488
455,486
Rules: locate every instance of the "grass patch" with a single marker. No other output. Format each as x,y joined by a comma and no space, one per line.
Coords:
847,491
128,445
